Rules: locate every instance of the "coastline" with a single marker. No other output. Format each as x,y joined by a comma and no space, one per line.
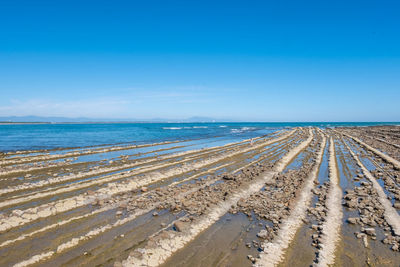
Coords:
172,202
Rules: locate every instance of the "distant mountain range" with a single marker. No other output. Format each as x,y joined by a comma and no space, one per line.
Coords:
40,119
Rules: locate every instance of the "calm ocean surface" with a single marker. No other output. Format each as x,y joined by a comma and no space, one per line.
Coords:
48,136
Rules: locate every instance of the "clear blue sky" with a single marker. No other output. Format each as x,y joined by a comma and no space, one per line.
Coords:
245,60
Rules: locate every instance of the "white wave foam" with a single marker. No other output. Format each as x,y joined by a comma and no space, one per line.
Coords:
241,130
172,128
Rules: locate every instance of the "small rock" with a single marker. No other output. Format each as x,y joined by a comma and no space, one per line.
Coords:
263,234
180,226
123,206
227,177
365,241
251,258
370,231
352,220
359,235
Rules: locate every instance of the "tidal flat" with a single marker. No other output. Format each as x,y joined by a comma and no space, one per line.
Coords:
294,196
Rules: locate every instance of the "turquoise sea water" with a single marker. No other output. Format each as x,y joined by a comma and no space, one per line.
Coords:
48,136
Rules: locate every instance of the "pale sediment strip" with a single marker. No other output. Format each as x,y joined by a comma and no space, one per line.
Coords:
40,155
177,240
67,163
78,153
99,230
387,158
273,252
55,225
110,207
75,241
285,160
83,184
87,183
386,142
89,151
71,177
331,227
19,217
390,213
189,156
27,196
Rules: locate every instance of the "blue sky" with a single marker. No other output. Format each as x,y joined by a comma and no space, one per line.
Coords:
240,60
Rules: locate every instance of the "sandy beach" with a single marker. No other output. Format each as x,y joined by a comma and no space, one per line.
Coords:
296,197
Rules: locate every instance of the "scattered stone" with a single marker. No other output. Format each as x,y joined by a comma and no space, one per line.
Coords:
365,241
251,258
263,234
370,231
180,226
352,220
227,177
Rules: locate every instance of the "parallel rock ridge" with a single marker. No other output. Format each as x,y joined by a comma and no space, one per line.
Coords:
297,197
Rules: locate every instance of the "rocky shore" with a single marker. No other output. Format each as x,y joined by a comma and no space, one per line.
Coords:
152,204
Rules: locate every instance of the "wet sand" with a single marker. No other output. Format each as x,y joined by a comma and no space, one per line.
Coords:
298,197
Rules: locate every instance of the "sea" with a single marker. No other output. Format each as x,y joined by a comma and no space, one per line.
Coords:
16,137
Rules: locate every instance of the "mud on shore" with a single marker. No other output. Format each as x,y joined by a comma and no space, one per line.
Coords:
298,197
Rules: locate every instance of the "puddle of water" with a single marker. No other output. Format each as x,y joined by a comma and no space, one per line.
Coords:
352,251
223,244
300,251
109,247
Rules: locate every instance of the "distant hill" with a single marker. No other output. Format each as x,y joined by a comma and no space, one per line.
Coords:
44,119
83,119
